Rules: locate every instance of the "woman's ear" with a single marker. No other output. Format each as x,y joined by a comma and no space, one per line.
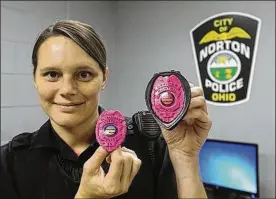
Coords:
105,78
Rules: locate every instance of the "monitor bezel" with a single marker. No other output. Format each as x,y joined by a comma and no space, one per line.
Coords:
215,187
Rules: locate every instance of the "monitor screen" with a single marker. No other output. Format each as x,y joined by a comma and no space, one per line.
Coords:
229,165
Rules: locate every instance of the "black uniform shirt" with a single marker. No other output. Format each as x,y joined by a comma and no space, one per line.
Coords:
40,165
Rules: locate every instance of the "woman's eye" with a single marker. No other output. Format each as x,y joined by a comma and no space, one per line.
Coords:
84,75
52,76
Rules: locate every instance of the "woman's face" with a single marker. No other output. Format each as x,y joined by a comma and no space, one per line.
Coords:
68,82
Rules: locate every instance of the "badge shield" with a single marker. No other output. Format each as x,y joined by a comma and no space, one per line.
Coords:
168,97
224,48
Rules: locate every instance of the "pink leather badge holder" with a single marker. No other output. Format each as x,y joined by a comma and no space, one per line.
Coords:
168,97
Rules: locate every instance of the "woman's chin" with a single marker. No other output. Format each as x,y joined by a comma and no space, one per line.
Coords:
68,121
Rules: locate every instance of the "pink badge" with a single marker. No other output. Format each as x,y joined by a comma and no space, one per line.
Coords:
111,129
168,97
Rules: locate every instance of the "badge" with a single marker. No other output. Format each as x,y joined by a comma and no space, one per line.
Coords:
168,97
225,48
110,129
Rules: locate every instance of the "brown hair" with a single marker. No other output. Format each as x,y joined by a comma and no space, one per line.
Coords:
82,34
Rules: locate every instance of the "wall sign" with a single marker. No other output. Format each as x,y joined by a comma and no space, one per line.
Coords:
225,48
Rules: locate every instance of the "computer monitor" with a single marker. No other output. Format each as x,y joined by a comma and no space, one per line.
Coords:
232,166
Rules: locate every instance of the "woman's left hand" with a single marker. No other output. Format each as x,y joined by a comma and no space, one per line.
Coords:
187,138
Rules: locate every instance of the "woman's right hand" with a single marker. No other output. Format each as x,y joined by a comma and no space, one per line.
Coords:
124,165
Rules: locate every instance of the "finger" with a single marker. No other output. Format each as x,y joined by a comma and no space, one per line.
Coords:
136,164
198,102
196,91
108,159
116,165
125,178
135,158
129,150
93,164
134,155
198,114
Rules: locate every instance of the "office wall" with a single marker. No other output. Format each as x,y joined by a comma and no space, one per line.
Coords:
21,22
154,36
142,38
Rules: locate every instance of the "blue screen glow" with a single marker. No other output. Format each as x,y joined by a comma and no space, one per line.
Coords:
229,165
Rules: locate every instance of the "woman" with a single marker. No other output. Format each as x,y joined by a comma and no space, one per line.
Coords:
62,159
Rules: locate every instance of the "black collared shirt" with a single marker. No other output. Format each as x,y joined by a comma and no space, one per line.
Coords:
40,165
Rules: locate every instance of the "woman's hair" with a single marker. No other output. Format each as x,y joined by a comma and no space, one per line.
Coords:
81,33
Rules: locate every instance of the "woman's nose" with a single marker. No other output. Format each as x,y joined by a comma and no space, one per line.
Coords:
68,87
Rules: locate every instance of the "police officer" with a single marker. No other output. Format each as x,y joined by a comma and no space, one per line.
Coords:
62,159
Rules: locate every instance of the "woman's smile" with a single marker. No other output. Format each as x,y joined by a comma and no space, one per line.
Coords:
69,107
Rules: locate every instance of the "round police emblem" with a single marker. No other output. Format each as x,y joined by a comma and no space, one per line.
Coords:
166,98
224,67
110,130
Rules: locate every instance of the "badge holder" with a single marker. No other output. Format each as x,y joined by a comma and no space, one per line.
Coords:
111,129
168,96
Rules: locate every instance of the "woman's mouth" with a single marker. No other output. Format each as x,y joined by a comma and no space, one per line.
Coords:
71,104
68,107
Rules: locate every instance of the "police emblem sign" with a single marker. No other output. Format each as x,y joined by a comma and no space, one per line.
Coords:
224,48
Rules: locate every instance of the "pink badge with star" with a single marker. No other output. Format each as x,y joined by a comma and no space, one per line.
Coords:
111,129
168,97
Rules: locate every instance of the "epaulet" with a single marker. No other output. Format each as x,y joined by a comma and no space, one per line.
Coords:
21,140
